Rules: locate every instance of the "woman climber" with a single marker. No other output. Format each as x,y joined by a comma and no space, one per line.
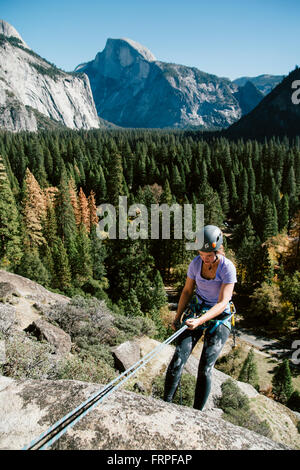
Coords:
214,277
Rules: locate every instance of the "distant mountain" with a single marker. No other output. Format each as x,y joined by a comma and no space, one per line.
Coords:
125,85
276,114
248,97
34,94
264,83
133,89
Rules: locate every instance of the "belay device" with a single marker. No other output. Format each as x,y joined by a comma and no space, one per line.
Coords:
196,309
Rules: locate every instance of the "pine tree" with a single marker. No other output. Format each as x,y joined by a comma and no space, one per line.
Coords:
270,227
259,176
141,170
272,189
74,201
213,213
227,161
34,210
66,227
176,180
233,191
166,197
84,210
131,305
224,196
101,187
10,235
98,256
263,268
115,178
82,176
203,171
65,213
92,210
251,181
62,278
290,184
48,262
38,166
282,382
48,163
84,265
158,292
130,267
244,236
33,268
244,188
163,154
283,218
50,223
195,177
18,161
249,372
57,161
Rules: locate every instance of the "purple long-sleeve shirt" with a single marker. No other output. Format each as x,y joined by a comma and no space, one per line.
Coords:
209,290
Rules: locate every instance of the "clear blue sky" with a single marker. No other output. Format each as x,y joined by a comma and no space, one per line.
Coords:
229,38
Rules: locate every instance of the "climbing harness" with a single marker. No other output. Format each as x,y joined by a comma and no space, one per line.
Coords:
198,308
52,434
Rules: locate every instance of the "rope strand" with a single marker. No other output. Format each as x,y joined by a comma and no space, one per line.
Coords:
53,433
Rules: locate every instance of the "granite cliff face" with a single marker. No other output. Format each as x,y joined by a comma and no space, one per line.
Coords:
35,94
133,89
125,421
125,85
31,399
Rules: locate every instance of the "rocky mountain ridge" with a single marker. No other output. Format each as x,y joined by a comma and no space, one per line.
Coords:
264,83
31,88
9,31
124,86
133,89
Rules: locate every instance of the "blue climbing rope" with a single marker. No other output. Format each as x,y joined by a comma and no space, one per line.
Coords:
52,434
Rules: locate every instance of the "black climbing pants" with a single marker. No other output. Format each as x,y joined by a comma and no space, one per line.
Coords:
213,344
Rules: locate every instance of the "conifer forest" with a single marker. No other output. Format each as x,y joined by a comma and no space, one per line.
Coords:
51,183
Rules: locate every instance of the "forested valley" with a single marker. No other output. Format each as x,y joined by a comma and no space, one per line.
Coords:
52,182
